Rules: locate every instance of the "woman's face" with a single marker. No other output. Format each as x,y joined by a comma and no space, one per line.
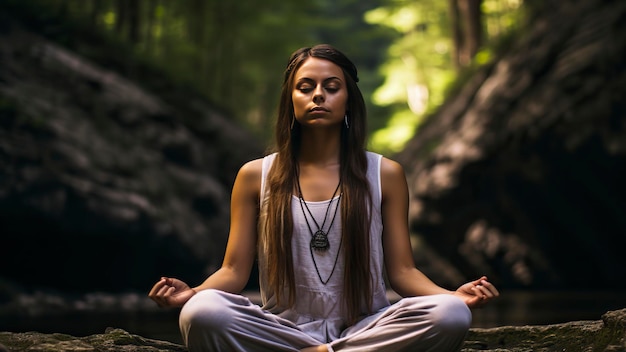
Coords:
320,94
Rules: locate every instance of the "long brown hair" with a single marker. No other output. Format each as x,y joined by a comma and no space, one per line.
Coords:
277,225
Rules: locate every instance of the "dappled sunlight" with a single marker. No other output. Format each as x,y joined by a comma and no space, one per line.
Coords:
399,130
394,88
498,80
438,177
419,70
460,149
417,96
402,19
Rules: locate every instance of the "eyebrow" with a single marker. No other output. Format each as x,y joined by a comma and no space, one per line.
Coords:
307,79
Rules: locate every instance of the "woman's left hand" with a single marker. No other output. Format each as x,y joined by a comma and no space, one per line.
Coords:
476,293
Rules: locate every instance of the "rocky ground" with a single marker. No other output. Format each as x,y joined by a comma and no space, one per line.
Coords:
606,334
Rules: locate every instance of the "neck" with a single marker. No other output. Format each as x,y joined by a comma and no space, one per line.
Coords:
320,149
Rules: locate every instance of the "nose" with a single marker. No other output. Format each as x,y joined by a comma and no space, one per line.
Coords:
318,94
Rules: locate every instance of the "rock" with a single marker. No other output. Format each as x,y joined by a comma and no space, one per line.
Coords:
111,340
608,334
105,184
520,175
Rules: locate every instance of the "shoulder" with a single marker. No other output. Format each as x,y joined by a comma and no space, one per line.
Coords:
390,168
249,175
252,167
393,179
387,166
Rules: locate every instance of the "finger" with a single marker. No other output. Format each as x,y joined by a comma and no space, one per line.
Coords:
163,291
157,300
485,294
477,281
156,288
481,279
162,301
492,289
487,289
475,302
481,291
170,291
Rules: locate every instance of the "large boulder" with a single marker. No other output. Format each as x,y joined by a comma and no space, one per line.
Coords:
106,185
520,175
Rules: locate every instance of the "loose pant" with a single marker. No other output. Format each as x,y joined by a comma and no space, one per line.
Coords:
218,321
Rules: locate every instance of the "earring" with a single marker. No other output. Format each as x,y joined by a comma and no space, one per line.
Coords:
293,121
345,119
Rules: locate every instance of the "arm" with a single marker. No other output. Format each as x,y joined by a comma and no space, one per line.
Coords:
240,250
404,278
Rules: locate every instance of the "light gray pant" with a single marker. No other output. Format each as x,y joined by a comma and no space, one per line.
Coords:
217,321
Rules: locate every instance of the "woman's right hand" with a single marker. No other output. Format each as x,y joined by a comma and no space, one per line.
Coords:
170,292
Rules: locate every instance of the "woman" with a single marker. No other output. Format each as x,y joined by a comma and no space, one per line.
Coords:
324,217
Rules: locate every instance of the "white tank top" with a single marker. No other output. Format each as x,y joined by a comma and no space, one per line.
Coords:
318,306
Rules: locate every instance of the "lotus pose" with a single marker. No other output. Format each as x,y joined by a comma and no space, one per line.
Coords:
326,219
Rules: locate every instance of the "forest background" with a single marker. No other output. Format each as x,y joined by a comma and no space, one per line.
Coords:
123,123
409,53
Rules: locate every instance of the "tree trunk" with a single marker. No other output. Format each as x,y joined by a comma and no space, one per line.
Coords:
457,35
96,9
473,27
466,19
134,22
150,26
122,16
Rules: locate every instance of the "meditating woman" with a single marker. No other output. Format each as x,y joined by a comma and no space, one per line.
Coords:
326,220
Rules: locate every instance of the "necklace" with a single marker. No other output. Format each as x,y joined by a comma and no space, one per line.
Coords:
319,238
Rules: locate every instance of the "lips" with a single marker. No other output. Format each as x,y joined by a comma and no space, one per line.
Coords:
318,109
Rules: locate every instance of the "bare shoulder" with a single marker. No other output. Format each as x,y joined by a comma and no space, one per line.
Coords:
249,175
393,179
252,168
391,169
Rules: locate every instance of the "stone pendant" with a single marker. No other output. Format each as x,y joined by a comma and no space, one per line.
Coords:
319,242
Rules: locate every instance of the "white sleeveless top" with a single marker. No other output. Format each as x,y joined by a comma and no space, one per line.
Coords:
318,308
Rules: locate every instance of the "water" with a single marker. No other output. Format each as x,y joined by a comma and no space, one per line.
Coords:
512,308
552,307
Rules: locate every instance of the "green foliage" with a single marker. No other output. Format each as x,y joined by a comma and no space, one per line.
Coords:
234,52
419,69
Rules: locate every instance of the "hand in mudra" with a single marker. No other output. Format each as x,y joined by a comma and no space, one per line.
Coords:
170,292
476,293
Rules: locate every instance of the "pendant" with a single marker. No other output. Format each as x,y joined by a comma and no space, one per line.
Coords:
319,241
